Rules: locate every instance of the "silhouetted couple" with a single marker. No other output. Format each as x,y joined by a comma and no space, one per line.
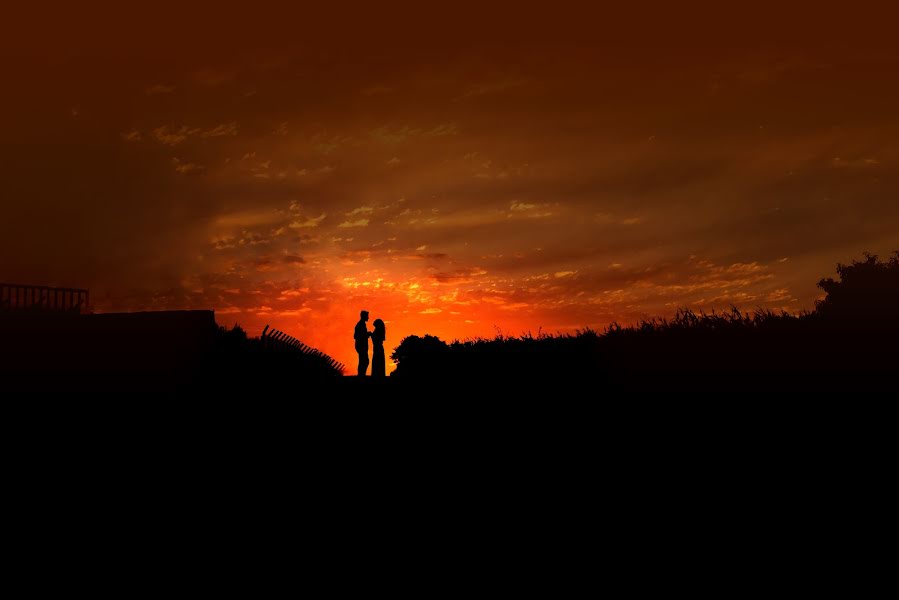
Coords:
361,335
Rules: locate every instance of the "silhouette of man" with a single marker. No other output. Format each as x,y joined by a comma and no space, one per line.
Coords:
361,336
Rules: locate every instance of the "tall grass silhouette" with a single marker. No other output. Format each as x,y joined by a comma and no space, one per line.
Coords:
849,341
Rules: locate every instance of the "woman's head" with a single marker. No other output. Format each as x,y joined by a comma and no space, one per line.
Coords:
379,324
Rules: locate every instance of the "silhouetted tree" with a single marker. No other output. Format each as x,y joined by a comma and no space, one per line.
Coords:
867,293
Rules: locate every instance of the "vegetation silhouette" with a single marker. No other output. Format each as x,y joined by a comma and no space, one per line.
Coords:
150,351
866,295
238,361
849,341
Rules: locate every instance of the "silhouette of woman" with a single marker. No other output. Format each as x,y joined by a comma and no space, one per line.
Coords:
378,364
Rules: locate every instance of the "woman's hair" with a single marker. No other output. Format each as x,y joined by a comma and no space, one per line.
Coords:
379,327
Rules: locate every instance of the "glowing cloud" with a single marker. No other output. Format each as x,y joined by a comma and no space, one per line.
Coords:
357,223
308,222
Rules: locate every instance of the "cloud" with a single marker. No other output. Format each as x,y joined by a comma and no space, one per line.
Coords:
441,130
132,136
377,90
392,136
459,275
172,137
604,218
533,211
324,144
854,163
488,88
249,218
293,259
515,306
357,223
389,136
253,239
362,210
185,168
225,129
223,243
265,265
298,292
463,218
430,311
308,222
433,255
293,313
562,274
780,295
157,89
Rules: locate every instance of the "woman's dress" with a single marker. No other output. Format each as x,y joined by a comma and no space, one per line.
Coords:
378,363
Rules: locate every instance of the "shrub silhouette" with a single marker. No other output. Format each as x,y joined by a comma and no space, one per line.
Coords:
422,356
867,293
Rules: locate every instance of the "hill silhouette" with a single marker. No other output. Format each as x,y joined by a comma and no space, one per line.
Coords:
848,342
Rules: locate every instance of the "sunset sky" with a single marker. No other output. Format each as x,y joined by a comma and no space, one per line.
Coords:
454,170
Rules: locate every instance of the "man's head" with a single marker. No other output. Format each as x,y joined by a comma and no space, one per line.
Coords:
364,315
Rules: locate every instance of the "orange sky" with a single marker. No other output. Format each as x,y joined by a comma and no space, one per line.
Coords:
455,172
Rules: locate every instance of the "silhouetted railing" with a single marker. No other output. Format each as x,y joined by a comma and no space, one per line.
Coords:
278,341
38,297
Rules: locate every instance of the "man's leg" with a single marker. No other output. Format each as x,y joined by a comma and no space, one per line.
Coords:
363,363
